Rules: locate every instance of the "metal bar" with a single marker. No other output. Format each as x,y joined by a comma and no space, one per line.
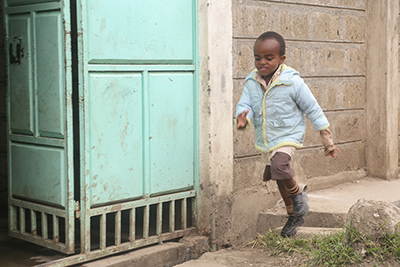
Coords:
38,207
194,212
141,202
56,229
184,214
85,233
118,228
146,135
84,136
34,7
103,231
45,233
13,218
146,221
46,141
130,68
141,61
159,219
33,64
196,107
69,134
172,216
132,224
22,220
33,223
79,258
39,241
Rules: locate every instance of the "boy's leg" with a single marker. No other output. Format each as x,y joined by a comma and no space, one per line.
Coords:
286,197
295,200
282,172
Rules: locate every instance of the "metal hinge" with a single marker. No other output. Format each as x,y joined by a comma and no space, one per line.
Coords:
77,209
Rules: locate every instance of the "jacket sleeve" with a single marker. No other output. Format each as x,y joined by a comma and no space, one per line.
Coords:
245,104
309,105
327,141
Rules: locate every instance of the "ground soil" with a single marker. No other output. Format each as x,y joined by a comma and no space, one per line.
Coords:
259,257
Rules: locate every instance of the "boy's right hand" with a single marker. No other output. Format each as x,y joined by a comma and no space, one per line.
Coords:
241,120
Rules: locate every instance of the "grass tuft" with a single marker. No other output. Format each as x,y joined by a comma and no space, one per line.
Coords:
336,249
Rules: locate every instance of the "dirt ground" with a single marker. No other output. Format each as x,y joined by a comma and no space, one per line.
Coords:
257,257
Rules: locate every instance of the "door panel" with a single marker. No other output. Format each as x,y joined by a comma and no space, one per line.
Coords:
171,131
21,95
42,176
149,33
40,139
50,67
116,136
37,90
26,2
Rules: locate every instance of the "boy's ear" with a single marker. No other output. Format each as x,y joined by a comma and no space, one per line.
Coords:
282,59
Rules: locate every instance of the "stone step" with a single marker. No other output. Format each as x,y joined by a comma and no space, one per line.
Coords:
328,207
271,220
309,232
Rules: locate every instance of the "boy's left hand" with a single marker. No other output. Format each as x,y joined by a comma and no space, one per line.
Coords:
332,151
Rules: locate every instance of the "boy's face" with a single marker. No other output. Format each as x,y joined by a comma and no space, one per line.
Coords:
267,58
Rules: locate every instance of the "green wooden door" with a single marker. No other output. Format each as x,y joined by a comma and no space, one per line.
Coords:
139,120
141,100
40,122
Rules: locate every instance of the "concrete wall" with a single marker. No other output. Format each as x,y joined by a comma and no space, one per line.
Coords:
345,52
326,43
382,89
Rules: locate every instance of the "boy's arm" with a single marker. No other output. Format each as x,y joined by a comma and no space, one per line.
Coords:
310,106
244,111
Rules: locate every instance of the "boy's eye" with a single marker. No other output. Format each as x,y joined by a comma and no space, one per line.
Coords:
269,58
257,59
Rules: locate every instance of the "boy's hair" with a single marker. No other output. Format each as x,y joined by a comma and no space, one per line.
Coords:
276,36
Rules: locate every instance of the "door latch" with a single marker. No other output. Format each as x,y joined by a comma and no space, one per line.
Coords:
77,210
15,50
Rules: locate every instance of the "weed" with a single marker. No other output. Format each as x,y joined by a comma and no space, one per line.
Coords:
337,249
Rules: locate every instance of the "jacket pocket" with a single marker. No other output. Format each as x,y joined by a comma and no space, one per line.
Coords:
279,121
283,109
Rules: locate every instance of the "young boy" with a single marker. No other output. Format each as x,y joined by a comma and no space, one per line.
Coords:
275,99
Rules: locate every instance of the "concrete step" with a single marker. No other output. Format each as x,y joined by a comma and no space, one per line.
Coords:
328,207
309,232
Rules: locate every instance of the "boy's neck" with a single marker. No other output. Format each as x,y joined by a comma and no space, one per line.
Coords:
270,78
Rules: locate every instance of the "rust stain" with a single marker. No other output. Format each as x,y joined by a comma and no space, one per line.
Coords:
95,177
116,207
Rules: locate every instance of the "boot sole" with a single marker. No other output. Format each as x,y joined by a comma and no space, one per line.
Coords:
300,223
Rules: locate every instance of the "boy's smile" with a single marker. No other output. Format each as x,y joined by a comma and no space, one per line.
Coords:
267,58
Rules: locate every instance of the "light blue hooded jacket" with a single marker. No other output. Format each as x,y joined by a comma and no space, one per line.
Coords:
277,115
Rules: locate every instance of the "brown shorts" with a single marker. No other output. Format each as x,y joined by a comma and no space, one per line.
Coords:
280,168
